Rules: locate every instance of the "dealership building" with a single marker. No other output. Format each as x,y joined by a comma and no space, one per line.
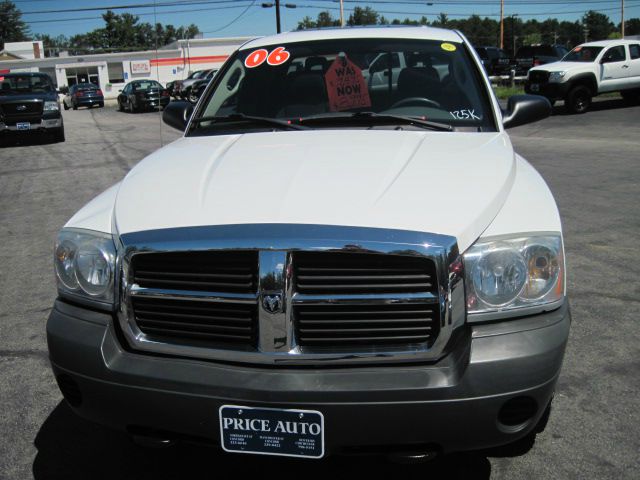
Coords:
111,71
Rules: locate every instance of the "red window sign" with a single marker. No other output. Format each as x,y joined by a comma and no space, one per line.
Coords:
257,58
277,57
346,86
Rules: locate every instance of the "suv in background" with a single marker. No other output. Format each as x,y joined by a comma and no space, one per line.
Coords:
589,70
534,55
28,102
180,86
495,60
194,91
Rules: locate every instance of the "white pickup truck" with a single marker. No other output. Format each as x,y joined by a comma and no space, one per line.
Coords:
318,267
589,70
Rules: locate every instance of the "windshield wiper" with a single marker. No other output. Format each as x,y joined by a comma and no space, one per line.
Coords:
241,117
379,118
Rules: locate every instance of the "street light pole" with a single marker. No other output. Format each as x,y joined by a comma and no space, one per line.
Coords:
501,24
622,20
342,13
278,29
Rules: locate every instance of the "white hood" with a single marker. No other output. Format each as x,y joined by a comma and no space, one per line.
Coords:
565,66
446,183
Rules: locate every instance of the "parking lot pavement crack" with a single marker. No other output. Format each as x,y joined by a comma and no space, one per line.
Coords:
32,353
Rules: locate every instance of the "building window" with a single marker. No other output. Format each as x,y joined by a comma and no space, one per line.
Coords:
116,72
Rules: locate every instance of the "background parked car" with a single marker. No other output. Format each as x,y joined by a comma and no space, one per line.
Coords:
181,86
193,92
495,60
83,95
534,55
170,88
142,95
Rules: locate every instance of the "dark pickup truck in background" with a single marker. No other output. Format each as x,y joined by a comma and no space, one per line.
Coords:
533,55
495,60
29,102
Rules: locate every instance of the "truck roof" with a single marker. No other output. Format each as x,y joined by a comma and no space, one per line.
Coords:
398,32
606,43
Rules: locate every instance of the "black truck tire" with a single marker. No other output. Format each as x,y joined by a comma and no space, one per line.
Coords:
578,99
58,134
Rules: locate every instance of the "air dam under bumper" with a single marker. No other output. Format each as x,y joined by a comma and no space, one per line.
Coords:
452,405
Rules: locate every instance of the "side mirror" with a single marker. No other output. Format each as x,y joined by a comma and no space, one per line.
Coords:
523,109
177,114
120,90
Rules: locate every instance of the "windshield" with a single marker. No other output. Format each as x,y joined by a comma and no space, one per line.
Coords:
21,84
430,80
582,54
86,86
141,86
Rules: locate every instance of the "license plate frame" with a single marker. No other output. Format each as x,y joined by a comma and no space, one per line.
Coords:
23,126
263,431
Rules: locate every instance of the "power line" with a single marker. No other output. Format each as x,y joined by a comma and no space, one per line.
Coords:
234,20
143,14
629,5
131,6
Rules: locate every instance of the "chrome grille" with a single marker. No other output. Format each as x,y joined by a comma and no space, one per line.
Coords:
206,322
392,320
290,294
344,325
200,271
344,273
538,76
196,297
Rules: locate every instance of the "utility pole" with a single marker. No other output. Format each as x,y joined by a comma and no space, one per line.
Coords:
342,14
501,23
622,20
278,29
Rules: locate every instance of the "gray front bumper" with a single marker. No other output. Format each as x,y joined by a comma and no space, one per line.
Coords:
44,124
452,404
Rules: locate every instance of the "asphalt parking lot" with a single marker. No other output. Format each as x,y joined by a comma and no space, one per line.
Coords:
591,163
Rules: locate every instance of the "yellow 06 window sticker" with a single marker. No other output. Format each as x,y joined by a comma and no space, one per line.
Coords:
449,47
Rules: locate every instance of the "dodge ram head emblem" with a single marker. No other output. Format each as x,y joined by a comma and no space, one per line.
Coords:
272,303
21,108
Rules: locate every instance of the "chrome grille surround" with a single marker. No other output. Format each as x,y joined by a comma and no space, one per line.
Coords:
275,243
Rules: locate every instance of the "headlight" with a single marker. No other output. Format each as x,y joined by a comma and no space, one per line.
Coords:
51,106
556,76
508,274
85,265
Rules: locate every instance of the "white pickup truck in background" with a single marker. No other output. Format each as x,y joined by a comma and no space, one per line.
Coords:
589,70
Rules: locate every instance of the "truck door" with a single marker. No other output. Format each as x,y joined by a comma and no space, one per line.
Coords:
634,65
614,68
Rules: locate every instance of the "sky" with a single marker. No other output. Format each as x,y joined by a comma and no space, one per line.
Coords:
229,18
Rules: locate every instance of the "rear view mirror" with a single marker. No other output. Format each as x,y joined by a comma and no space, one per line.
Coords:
177,114
523,109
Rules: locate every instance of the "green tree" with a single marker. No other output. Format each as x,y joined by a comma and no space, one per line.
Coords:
632,26
124,32
324,19
12,27
442,21
598,25
363,16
